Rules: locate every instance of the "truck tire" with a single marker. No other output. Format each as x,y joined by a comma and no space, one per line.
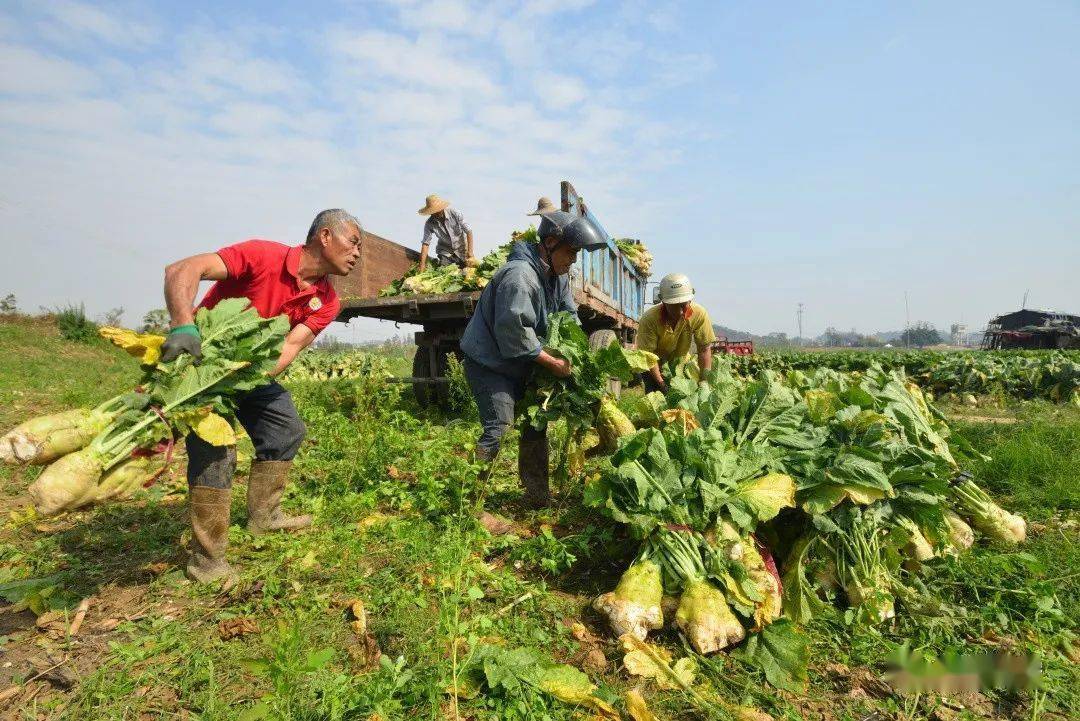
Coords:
428,394
602,339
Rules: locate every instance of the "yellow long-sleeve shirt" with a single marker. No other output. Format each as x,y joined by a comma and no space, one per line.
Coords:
672,343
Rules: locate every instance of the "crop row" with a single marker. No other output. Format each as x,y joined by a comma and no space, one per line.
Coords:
1050,375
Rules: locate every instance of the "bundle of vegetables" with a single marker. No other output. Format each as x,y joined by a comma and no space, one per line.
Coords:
990,519
123,444
693,500
436,279
636,252
581,400
611,425
874,463
452,279
876,469
331,365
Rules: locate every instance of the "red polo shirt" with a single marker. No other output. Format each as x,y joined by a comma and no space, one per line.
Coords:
266,273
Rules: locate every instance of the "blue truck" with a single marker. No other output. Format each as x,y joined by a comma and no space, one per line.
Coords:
609,290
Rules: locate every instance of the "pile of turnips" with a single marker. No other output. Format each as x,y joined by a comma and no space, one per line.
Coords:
108,452
852,480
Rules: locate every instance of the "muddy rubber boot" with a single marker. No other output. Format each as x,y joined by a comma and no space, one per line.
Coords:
486,459
533,468
209,534
266,486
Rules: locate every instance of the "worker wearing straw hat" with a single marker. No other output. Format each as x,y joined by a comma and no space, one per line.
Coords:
543,206
455,239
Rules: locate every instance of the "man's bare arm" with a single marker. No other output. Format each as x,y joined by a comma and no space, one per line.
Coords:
468,244
704,358
558,366
657,376
182,280
297,340
423,257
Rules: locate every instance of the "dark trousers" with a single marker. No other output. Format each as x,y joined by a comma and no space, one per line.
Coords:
269,416
496,396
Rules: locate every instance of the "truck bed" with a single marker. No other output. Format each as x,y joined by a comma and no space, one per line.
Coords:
412,308
607,289
436,307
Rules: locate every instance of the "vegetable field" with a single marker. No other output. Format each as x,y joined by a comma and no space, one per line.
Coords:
1051,375
421,592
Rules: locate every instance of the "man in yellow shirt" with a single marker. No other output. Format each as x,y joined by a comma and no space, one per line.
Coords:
668,327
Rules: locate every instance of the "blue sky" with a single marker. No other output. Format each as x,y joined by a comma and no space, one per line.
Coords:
834,154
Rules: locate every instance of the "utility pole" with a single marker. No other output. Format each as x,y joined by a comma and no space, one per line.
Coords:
907,322
799,315
1023,305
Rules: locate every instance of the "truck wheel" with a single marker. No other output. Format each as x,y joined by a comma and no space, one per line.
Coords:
602,339
426,393
431,393
421,368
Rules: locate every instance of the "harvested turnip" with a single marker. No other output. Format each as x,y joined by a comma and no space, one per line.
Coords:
987,517
706,619
43,439
634,606
67,483
961,537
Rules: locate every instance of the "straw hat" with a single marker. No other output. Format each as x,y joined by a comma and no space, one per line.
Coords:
544,205
433,204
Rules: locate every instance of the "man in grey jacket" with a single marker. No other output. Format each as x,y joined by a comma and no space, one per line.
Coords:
503,343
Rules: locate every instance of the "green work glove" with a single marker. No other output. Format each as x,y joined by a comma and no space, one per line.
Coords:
182,339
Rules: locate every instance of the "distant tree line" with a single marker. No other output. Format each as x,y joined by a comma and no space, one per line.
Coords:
920,335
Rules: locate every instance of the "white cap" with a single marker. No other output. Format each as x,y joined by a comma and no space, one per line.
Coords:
676,288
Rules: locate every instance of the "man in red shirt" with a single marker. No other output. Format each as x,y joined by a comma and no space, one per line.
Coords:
277,280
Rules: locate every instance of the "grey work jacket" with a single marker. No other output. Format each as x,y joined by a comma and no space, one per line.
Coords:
507,329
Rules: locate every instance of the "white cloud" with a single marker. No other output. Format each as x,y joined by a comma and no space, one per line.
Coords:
423,61
28,72
67,17
450,16
74,116
542,8
247,118
673,69
413,107
256,119
560,91
222,61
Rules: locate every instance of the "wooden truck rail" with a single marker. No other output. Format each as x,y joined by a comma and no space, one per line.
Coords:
432,307
442,307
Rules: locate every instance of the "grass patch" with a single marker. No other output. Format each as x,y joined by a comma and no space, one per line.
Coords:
1033,466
